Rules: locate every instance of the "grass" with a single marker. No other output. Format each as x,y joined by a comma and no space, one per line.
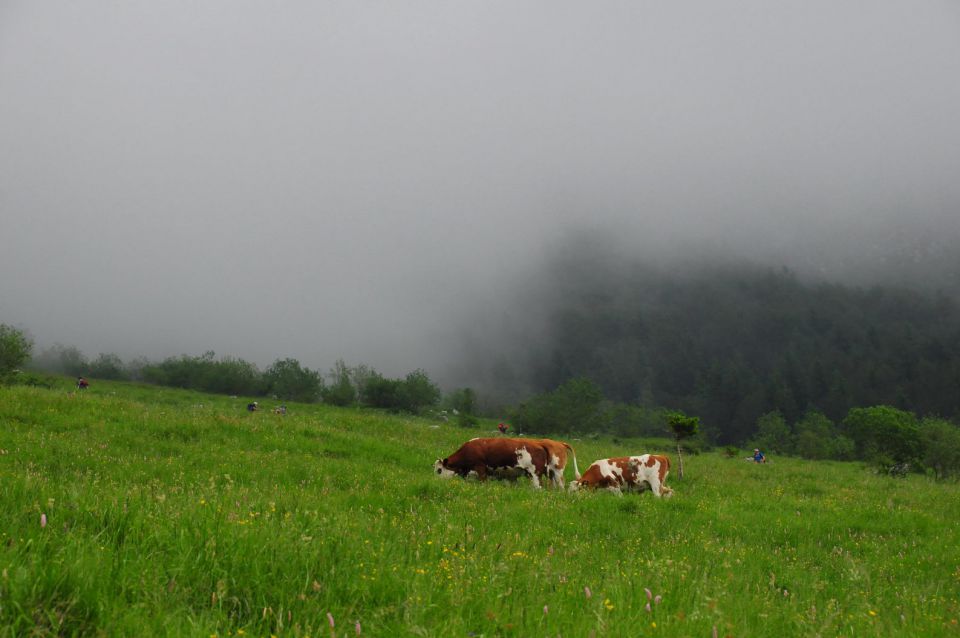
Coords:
174,513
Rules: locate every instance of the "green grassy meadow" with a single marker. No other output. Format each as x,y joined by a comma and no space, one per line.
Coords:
174,513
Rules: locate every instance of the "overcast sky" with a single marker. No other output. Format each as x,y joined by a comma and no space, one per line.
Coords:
352,179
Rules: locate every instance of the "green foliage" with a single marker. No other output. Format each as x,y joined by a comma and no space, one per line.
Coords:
817,437
15,348
38,380
418,392
682,426
341,390
882,432
288,380
940,442
107,366
572,407
463,400
466,420
225,376
632,420
733,342
381,392
411,394
61,359
773,434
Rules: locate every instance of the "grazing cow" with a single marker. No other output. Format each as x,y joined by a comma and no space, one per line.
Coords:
628,472
498,456
557,460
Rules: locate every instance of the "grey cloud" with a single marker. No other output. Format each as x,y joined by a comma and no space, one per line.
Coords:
365,179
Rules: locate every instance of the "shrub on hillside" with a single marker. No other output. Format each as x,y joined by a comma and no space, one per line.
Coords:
412,394
227,376
107,366
817,437
341,390
61,359
290,381
773,434
37,380
381,392
418,392
940,441
572,407
882,432
463,400
15,349
631,420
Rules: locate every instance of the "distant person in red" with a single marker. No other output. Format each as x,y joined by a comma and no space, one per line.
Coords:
502,427
82,383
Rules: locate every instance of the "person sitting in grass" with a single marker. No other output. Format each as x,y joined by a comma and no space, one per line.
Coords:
758,456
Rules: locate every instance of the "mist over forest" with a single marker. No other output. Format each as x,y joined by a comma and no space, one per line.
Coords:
725,337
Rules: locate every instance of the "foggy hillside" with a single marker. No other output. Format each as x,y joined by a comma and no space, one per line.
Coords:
725,338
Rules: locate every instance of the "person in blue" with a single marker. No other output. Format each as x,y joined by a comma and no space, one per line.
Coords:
758,456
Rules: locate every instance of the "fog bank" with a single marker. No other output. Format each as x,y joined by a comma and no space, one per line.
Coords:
377,182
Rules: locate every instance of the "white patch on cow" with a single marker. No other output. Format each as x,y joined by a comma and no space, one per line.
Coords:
441,471
525,462
649,476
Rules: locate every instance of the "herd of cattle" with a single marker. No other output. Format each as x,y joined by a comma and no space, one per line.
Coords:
545,460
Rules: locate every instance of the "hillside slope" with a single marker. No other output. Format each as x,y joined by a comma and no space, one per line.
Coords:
141,510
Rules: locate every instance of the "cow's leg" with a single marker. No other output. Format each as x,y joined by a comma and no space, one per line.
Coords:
556,473
534,479
481,471
655,486
615,489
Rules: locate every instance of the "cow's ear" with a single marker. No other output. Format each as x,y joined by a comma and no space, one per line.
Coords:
444,461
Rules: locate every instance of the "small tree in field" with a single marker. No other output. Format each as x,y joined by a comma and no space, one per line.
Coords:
15,349
683,427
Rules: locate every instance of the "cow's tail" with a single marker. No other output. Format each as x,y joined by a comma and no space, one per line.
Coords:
576,470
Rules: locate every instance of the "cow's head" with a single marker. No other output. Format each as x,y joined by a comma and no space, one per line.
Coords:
441,469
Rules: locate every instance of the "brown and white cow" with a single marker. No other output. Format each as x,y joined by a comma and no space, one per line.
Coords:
499,456
638,473
557,460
